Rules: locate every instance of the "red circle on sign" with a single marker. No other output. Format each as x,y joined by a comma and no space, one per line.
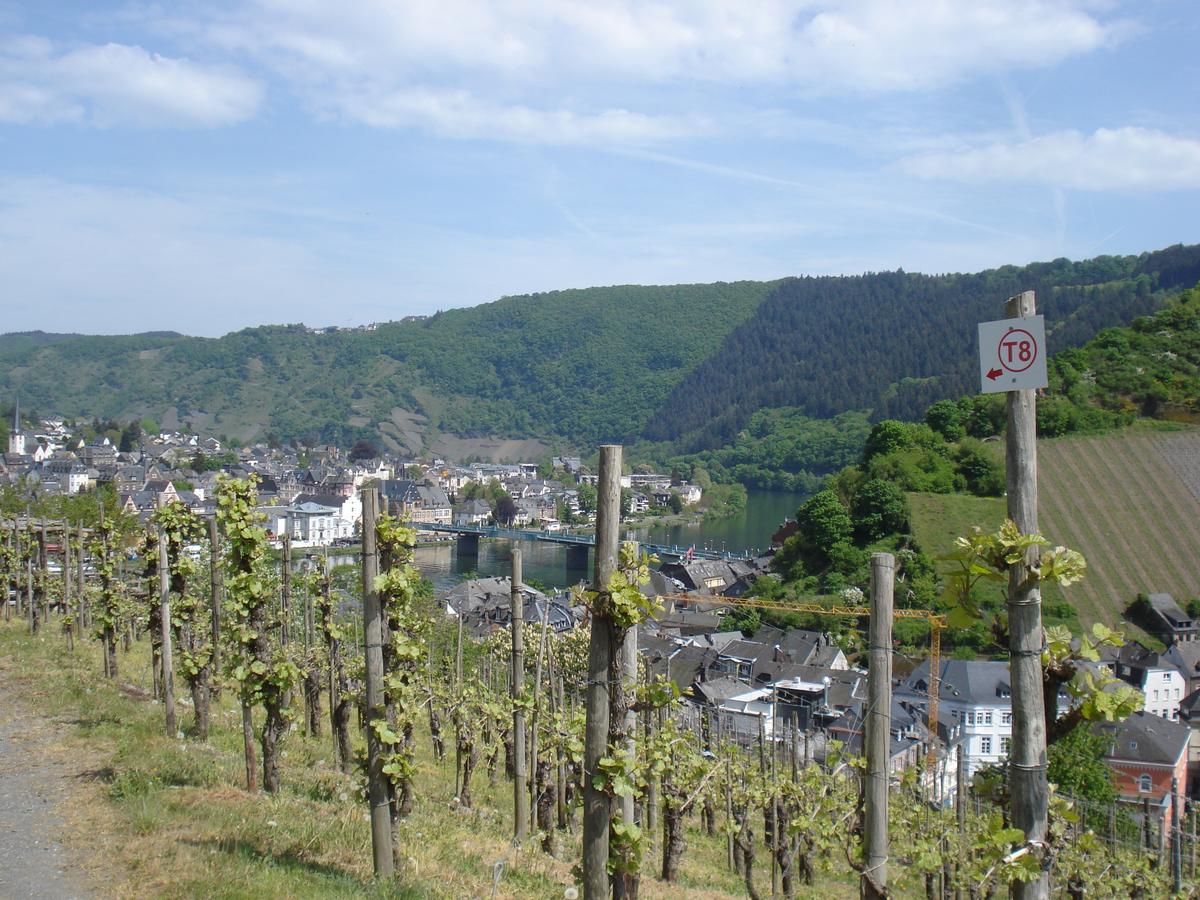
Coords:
1017,350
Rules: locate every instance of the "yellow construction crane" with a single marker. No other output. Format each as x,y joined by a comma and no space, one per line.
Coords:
936,623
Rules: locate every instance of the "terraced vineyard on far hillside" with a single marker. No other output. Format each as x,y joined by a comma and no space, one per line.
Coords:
1130,502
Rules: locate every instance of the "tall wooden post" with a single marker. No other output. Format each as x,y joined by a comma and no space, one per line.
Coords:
214,586
85,603
29,602
66,569
878,725
597,811
533,724
164,613
44,578
10,571
1176,840
516,688
1027,766
285,611
629,670
381,826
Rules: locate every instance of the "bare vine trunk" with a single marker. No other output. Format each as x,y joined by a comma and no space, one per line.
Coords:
745,847
273,730
312,700
673,838
248,748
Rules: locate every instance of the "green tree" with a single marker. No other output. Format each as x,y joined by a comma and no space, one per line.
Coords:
131,436
821,523
1077,765
879,508
363,449
981,470
947,418
504,510
887,436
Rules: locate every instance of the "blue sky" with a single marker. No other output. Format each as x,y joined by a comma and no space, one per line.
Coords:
205,166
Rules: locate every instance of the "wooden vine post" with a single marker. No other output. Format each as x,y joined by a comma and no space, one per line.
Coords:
377,792
68,619
878,725
164,618
264,675
597,805
43,580
214,587
189,622
1028,761
109,607
516,690
85,612
340,698
153,608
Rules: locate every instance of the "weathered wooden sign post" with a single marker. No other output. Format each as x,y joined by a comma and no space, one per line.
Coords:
516,690
381,826
597,806
878,727
1013,359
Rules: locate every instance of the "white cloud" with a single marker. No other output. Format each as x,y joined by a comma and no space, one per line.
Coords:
1108,159
872,45
609,68
459,114
113,84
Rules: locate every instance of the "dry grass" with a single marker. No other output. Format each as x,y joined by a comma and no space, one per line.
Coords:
159,817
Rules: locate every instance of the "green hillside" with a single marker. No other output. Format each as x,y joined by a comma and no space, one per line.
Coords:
679,368
577,366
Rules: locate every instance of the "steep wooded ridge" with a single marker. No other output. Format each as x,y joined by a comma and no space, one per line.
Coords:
894,342
687,365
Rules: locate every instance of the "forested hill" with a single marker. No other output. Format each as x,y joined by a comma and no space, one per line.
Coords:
688,365
578,367
894,342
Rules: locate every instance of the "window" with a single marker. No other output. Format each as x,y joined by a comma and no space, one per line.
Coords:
987,717
985,745
970,718
1005,718
1156,693
1166,676
1144,784
1005,743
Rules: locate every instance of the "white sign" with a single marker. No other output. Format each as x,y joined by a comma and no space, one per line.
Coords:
1012,354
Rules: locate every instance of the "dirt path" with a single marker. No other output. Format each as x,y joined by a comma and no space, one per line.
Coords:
33,788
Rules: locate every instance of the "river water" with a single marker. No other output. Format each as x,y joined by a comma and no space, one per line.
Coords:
546,563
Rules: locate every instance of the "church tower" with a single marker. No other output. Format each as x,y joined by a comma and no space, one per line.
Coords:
16,437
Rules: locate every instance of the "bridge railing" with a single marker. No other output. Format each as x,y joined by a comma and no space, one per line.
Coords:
556,537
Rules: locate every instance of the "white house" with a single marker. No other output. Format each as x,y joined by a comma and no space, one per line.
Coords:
1157,677
977,695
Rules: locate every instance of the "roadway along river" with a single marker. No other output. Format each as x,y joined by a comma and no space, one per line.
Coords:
546,563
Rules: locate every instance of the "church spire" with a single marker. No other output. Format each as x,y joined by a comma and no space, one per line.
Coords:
16,437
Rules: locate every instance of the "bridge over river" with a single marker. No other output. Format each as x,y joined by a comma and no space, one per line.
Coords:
469,535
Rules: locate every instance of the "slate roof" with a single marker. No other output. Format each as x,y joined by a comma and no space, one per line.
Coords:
1165,606
1146,738
328,500
969,681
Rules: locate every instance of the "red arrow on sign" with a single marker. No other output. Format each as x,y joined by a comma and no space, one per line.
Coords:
994,373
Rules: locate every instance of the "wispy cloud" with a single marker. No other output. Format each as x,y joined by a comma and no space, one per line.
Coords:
118,84
460,114
1108,159
611,71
